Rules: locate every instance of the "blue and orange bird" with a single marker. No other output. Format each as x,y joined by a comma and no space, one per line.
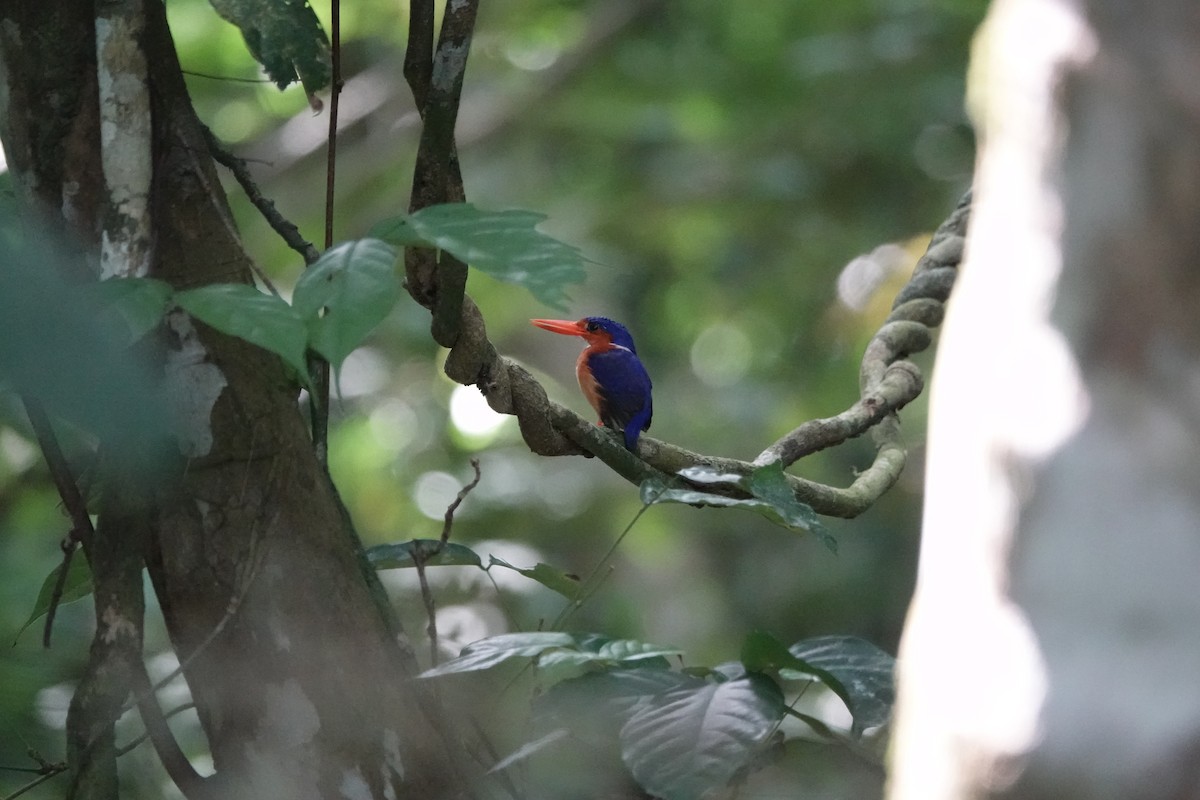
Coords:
610,374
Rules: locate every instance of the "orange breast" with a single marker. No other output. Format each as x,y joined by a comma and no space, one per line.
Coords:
591,389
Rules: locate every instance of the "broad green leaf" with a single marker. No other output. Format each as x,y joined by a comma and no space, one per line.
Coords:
138,303
552,578
504,244
686,742
629,650
402,555
595,706
770,485
284,36
495,650
558,650
762,652
858,671
349,290
243,311
77,586
771,497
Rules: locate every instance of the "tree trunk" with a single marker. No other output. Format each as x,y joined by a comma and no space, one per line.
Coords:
303,691
1051,650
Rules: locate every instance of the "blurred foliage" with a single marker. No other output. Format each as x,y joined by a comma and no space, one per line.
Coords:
752,181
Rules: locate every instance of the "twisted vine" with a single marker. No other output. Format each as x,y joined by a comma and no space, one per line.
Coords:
888,381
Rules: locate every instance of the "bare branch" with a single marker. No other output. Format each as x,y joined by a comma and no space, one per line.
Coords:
286,229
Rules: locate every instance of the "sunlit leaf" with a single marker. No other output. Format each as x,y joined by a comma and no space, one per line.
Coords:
349,290
551,577
284,36
685,742
404,555
77,586
243,311
504,244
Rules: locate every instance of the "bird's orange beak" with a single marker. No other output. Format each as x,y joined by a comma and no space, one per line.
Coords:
563,326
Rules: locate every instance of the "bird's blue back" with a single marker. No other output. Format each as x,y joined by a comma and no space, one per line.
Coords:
623,384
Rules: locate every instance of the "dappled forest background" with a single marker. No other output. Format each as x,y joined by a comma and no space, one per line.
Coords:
752,183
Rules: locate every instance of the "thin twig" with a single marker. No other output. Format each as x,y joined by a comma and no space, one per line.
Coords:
448,523
318,367
229,78
191,783
133,743
591,583
286,229
68,549
81,524
422,557
38,781
419,559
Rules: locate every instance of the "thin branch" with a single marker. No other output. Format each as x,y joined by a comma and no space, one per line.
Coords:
134,743
286,229
60,472
318,367
229,78
193,785
448,521
430,607
81,524
36,782
69,546
422,557
418,55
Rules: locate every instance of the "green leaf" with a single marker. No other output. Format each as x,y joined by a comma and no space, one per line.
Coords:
561,651
77,586
261,319
551,577
771,497
762,652
858,671
137,303
349,290
284,36
487,653
686,742
602,702
403,555
504,244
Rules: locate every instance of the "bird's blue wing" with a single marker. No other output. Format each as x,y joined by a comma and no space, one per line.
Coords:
624,390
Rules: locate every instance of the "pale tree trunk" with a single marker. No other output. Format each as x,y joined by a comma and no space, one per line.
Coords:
304,691
1053,646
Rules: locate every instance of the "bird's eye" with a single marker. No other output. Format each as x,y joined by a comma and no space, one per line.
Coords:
592,327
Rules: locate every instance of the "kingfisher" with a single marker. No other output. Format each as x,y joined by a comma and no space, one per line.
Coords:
610,374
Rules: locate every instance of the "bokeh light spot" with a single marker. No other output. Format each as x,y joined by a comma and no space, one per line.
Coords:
434,492
721,354
471,415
